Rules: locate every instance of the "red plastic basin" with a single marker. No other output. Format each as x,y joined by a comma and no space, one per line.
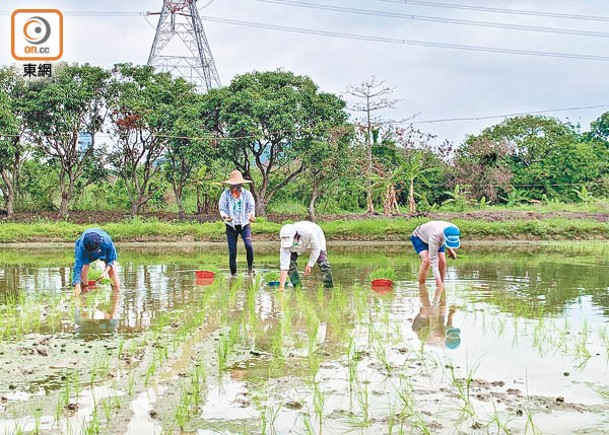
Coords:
381,283
200,274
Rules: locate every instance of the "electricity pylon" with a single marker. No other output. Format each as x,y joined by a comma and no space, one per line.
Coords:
193,61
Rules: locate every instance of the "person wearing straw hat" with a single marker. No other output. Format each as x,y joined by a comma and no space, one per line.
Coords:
430,241
94,244
295,240
238,210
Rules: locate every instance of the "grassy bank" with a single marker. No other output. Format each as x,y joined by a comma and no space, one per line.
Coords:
137,230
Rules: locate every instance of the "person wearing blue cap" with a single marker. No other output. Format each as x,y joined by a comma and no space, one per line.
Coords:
94,244
430,241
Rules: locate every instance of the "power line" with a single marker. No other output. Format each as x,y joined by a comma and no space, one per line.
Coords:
215,137
94,13
412,17
407,41
499,10
509,115
366,37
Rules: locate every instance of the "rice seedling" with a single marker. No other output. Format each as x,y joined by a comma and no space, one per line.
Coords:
497,423
361,419
383,273
463,388
353,359
381,354
93,426
319,402
582,353
604,336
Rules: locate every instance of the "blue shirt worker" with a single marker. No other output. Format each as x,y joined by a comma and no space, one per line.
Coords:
430,241
238,210
94,244
296,239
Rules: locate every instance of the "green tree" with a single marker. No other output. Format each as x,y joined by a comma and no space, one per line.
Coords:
599,128
145,117
548,157
188,148
12,129
270,121
60,113
413,169
326,163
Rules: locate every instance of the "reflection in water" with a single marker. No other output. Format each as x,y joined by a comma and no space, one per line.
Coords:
95,317
162,280
524,318
434,323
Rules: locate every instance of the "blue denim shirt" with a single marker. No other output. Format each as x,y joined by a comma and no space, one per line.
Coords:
237,208
106,253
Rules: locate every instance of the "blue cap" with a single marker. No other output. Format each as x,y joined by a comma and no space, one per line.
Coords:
91,241
453,338
451,237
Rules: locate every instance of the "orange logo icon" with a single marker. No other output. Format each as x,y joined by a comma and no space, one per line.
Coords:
37,34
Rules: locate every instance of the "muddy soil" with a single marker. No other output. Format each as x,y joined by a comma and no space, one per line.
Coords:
102,217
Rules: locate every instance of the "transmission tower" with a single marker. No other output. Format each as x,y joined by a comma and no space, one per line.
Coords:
191,60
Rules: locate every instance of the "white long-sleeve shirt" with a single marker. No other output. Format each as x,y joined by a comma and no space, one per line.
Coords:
432,233
311,237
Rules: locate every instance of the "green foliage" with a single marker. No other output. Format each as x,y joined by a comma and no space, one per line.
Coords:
516,196
271,277
457,199
583,194
288,207
59,113
274,119
546,155
386,273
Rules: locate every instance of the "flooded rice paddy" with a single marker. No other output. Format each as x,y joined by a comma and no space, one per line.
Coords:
520,344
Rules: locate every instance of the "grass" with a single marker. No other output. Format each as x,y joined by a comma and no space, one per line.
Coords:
140,230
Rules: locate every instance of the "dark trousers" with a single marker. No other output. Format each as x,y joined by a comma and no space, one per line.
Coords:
322,262
232,235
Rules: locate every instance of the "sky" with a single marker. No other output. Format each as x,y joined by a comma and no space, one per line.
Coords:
431,83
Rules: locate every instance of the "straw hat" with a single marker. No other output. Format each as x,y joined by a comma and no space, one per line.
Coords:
236,178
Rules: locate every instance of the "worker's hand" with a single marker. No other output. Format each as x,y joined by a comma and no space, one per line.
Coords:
452,254
308,270
77,290
251,217
281,288
227,218
103,276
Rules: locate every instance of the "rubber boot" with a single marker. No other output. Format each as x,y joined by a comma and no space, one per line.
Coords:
326,274
295,278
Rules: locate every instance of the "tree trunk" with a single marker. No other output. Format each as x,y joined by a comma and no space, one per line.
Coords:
412,206
9,204
312,200
369,203
137,205
9,195
135,209
391,203
63,206
177,191
261,207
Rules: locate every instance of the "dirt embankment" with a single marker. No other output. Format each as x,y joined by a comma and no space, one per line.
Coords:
104,217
